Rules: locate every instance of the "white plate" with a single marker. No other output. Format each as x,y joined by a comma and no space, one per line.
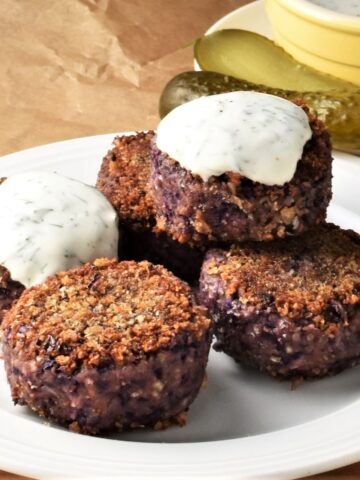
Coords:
243,426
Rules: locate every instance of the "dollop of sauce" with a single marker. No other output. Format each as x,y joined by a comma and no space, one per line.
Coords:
51,223
348,7
255,134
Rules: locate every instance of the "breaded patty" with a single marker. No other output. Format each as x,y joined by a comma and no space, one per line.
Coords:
290,307
124,177
107,346
124,180
232,208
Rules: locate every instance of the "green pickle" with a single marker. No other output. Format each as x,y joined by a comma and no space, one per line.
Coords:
254,58
338,109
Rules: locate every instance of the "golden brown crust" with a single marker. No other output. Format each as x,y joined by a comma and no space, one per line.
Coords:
298,277
104,313
124,179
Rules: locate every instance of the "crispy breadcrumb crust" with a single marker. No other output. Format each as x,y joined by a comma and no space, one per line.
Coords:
124,179
103,313
299,277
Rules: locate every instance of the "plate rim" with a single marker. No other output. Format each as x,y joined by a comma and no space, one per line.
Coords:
200,450
233,465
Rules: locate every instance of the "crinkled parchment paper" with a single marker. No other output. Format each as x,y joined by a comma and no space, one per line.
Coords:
70,68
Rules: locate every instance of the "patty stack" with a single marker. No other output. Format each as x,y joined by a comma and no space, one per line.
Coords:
231,194
247,178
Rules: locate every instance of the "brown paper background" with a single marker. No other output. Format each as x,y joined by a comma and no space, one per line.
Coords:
70,68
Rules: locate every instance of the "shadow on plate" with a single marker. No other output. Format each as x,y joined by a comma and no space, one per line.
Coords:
239,402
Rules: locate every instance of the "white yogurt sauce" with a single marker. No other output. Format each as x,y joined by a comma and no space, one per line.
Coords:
348,7
257,135
50,223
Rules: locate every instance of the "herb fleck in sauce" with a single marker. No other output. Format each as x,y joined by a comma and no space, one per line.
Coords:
257,135
51,223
